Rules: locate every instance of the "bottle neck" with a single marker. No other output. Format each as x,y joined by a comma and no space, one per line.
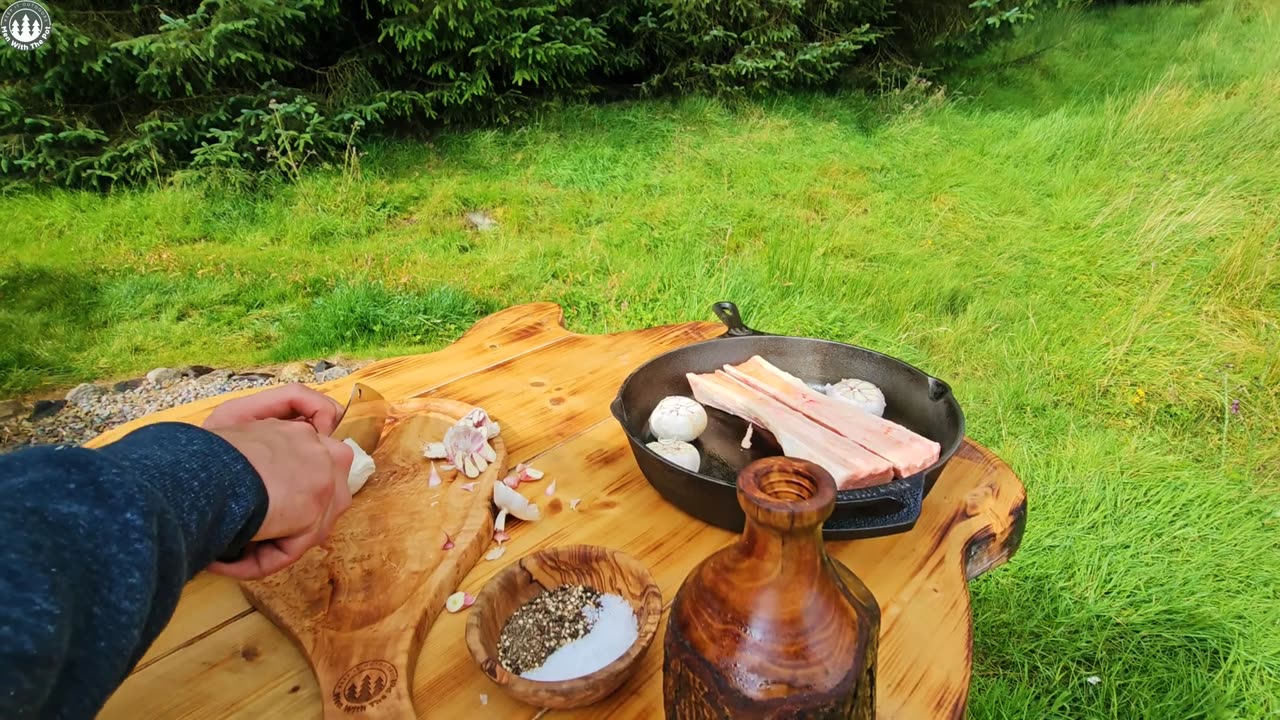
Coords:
788,552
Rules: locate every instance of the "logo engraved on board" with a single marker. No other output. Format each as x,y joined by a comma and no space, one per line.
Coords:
364,686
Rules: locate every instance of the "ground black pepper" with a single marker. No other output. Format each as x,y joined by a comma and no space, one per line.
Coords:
543,625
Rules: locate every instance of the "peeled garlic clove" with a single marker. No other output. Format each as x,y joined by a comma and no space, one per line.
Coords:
469,467
515,503
680,453
859,392
459,601
488,453
677,417
500,524
361,467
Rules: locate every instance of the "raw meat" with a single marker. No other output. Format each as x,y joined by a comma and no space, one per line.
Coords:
850,464
909,452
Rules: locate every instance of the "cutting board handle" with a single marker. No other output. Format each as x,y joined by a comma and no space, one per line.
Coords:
372,688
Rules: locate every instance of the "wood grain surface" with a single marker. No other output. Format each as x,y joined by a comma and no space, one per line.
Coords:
218,658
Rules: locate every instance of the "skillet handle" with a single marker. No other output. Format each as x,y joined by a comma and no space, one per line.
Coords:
938,389
729,315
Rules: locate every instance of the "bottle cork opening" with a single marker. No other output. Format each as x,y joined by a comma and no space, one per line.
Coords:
789,486
786,493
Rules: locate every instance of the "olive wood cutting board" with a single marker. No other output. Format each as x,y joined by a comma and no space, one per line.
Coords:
550,390
360,604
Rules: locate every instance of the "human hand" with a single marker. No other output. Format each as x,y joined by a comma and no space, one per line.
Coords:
286,402
304,471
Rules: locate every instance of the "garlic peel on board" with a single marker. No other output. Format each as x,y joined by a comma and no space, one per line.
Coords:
514,503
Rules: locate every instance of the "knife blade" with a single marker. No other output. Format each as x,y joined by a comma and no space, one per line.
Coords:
362,419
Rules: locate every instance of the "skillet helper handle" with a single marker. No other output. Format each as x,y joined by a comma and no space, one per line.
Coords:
729,315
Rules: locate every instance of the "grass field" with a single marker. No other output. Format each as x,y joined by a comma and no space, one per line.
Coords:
1084,242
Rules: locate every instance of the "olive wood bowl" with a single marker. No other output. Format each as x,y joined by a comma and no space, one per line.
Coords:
606,570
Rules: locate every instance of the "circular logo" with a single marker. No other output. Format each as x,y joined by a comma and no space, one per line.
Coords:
25,25
364,686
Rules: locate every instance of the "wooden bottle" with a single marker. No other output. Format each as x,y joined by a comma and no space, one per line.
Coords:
771,627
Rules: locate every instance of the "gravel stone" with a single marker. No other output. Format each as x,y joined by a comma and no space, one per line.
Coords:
195,371
296,372
125,385
46,408
332,373
84,394
164,376
321,366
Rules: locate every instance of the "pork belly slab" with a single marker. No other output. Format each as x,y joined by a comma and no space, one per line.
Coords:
908,452
850,464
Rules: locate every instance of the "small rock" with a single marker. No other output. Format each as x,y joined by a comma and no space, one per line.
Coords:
163,376
332,373
11,408
46,408
195,371
252,377
127,385
85,393
217,376
321,366
481,221
295,372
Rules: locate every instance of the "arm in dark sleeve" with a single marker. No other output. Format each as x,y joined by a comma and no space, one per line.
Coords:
95,547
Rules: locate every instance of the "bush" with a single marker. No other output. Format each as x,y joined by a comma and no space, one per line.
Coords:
124,93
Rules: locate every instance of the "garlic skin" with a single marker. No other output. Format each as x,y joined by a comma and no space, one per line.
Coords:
361,467
858,392
677,417
514,503
679,452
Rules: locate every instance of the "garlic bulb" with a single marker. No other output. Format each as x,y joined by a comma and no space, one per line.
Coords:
860,393
678,452
361,467
678,418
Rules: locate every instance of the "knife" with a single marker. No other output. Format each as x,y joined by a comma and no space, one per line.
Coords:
361,421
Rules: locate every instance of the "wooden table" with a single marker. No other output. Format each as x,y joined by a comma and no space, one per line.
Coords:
550,389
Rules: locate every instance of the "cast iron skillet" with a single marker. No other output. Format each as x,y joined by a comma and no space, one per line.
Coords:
914,399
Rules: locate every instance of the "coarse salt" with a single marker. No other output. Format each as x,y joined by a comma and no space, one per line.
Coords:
613,631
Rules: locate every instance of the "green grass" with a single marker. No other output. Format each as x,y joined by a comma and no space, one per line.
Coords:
1085,243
